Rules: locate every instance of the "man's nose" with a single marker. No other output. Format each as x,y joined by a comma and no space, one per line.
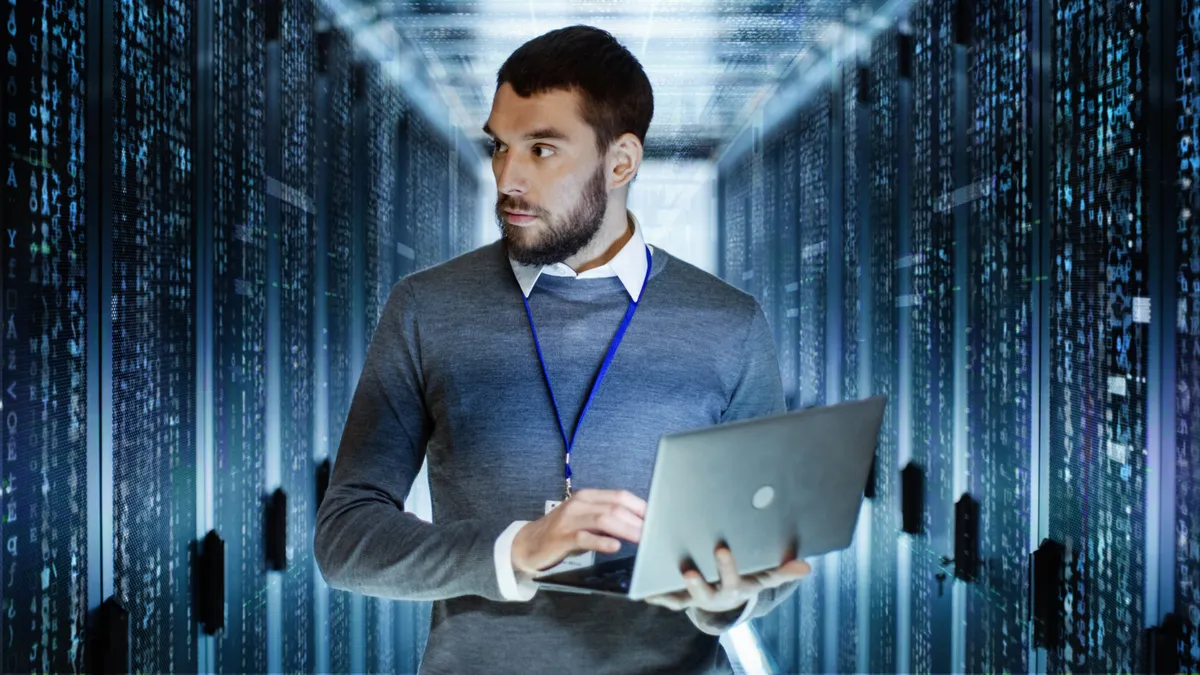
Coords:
511,176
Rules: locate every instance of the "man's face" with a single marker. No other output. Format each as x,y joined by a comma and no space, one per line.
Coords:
552,189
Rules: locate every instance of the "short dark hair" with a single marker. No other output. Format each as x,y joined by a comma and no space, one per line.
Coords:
617,97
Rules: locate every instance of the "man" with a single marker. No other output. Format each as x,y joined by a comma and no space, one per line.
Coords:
475,363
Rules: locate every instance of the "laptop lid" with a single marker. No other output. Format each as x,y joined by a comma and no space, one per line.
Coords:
762,486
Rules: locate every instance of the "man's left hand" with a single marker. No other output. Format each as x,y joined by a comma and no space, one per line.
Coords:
733,590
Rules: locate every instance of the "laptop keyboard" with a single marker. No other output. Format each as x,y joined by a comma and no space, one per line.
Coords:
613,575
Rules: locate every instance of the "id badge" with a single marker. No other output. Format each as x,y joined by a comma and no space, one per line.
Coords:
574,562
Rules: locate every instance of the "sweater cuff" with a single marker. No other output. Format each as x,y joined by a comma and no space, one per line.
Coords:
715,624
514,586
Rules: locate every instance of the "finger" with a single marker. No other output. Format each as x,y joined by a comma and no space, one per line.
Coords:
623,498
670,598
672,601
624,515
791,553
793,570
790,571
590,541
700,590
614,522
727,568
607,519
583,507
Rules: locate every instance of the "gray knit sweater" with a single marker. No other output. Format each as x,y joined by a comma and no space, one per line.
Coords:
451,377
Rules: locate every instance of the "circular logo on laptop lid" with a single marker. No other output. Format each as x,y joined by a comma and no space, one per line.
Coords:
764,497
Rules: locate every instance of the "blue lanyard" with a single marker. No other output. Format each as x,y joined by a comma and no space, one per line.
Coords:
612,351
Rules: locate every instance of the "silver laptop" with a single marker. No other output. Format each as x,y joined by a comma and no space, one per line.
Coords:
763,486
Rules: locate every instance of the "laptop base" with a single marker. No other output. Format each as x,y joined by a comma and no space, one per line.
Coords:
611,577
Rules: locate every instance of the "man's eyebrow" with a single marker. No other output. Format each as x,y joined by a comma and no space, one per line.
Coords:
543,134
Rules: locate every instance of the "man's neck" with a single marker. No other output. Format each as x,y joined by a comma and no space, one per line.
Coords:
614,234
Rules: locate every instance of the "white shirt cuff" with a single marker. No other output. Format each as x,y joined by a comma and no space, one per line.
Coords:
514,586
746,613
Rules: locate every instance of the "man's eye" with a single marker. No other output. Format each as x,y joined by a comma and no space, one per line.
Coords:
497,146
542,148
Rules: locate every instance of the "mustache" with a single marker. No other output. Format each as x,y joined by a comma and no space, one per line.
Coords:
510,203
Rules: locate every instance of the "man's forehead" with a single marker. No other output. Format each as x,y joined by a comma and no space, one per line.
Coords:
552,115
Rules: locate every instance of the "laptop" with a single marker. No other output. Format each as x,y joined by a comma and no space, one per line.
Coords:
764,486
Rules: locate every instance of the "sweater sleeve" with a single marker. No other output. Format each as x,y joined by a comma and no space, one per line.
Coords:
365,541
758,393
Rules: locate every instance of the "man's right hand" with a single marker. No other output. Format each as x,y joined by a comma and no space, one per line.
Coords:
591,520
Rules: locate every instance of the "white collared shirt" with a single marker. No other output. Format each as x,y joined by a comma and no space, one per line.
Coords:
629,265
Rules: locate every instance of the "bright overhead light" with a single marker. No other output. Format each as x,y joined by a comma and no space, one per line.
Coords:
633,31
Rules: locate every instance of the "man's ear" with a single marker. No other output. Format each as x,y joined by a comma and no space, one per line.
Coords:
624,159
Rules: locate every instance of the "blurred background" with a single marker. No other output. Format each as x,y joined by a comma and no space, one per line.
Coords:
984,209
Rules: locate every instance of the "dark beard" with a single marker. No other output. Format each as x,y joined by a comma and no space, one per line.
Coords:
555,239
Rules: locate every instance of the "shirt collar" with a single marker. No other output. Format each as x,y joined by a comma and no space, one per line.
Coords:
629,265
